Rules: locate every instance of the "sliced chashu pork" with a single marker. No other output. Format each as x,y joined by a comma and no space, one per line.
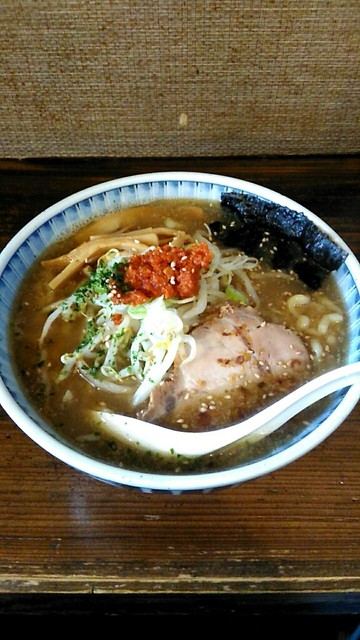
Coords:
238,355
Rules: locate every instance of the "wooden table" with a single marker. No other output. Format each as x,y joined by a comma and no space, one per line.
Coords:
285,543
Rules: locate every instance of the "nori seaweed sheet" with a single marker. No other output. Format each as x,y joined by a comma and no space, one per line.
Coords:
249,222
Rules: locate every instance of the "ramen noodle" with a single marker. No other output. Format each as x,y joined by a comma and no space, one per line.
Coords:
107,316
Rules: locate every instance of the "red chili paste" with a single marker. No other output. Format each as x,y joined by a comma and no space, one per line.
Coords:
172,272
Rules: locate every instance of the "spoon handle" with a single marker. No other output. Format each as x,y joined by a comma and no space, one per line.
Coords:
277,414
190,444
314,394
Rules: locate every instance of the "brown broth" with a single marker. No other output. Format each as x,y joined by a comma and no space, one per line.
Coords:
65,406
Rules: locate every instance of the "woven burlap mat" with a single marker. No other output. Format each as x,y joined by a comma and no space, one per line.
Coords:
161,78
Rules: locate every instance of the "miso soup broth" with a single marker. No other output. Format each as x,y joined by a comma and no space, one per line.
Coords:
81,338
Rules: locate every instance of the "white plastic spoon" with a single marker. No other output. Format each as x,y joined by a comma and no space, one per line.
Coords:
192,444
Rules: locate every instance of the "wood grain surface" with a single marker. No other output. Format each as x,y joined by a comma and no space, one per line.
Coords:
289,540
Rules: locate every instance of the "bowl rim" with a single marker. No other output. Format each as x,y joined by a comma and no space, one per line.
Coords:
172,482
161,176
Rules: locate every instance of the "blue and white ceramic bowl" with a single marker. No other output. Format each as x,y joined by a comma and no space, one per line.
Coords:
25,247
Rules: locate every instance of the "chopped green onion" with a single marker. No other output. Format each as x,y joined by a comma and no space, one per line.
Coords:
236,295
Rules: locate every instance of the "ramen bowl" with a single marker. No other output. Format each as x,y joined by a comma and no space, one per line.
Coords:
59,220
